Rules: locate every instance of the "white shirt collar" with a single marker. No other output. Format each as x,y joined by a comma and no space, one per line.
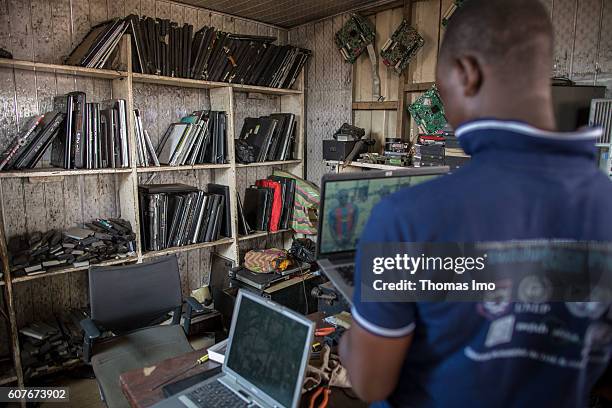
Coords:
524,128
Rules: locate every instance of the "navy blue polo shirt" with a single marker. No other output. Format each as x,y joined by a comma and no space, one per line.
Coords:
522,183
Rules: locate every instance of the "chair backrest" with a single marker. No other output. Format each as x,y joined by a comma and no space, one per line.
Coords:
129,297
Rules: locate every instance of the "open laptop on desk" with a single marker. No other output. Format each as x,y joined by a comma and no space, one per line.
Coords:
346,203
264,364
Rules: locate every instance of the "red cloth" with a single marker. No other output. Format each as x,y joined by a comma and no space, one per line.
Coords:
277,202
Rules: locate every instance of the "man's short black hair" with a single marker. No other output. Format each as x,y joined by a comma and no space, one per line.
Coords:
502,32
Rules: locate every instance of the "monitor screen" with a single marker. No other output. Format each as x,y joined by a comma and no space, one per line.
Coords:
267,348
348,204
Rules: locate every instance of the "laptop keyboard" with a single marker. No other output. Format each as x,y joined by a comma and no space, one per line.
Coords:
214,394
348,273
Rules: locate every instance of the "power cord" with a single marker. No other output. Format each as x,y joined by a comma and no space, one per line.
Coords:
304,287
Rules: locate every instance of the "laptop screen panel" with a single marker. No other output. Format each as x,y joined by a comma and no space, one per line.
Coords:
267,349
348,204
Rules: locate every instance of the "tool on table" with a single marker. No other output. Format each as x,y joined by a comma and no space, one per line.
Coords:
199,361
322,390
325,331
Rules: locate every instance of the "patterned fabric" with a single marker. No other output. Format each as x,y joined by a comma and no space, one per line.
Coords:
307,197
262,260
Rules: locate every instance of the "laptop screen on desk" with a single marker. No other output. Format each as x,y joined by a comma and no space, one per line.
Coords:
347,204
267,349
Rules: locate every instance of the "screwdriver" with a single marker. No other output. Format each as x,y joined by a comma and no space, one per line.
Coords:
199,361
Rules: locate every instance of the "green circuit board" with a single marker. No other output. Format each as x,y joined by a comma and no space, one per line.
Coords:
354,37
401,47
428,111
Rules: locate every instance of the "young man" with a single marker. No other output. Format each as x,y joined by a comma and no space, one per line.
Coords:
525,181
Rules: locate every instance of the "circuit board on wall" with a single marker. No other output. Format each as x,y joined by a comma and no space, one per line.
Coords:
401,47
428,111
354,37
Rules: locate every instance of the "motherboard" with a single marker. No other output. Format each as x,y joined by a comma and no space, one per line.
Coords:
401,47
428,111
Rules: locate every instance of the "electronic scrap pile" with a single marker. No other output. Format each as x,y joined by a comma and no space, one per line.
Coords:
428,113
397,153
53,344
79,247
436,143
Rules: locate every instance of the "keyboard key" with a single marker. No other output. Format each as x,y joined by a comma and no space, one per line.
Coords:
214,394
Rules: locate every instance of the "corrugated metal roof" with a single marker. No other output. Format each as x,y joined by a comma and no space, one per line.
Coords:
283,13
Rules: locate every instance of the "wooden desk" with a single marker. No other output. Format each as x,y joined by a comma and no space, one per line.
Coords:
137,384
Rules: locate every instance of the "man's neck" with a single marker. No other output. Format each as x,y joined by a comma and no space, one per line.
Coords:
532,108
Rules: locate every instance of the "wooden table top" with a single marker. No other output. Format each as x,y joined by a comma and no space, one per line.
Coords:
139,385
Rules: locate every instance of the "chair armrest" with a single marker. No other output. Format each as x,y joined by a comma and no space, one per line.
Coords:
194,305
91,333
91,330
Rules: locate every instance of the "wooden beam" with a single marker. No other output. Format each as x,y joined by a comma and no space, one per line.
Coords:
386,105
382,7
9,300
418,87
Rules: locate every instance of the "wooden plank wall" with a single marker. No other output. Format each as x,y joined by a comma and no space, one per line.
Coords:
328,85
46,31
378,123
583,52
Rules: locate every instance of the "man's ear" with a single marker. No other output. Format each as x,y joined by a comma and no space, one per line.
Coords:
470,74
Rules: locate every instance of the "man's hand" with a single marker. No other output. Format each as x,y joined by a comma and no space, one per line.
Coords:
373,362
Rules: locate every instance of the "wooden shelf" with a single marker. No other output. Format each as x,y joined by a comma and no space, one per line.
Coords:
265,90
183,168
195,83
62,69
173,81
62,271
70,364
368,165
385,105
221,97
175,250
55,172
270,163
261,234
7,378
418,87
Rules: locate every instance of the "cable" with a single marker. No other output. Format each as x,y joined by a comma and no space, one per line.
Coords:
304,287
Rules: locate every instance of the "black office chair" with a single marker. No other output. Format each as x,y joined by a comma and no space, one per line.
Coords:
129,302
